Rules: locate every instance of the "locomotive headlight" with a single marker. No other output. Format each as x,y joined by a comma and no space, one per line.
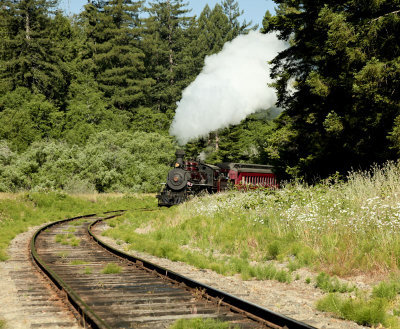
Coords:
176,178
177,165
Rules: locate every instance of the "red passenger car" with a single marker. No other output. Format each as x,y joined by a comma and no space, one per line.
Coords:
253,175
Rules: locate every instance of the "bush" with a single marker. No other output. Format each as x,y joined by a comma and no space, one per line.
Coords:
109,162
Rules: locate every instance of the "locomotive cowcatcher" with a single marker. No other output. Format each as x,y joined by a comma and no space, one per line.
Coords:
192,177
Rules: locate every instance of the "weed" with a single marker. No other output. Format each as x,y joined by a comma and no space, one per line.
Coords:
387,290
111,268
270,272
307,280
87,270
68,239
78,262
370,312
294,265
273,250
332,284
63,254
2,324
199,323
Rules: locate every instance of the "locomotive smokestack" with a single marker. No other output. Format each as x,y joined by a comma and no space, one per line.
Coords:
179,158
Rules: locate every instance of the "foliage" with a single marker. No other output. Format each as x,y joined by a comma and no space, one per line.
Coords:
165,37
108,162
244,142
29,57
115,70
121,66
112,51
337,85
26,117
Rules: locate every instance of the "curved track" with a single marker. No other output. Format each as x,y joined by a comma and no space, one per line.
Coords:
139,294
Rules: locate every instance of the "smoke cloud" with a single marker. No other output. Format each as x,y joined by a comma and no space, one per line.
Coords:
232,85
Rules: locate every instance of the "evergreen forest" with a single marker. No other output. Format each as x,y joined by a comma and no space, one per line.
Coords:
86,101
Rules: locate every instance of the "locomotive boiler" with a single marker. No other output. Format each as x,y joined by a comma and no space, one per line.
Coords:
192,177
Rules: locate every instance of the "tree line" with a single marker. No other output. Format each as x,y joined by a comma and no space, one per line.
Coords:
116,68
71,84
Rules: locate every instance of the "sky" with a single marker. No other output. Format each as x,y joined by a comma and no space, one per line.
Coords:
254,10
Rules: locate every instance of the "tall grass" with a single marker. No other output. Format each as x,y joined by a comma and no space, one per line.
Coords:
342,228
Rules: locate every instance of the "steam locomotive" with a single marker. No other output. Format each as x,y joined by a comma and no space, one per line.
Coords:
191,177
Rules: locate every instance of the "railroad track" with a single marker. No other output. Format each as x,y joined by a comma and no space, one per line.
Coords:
111,289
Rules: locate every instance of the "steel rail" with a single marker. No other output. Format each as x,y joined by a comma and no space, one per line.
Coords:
254,311
239,304
88,315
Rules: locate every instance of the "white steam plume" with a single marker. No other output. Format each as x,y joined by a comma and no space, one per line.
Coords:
232,85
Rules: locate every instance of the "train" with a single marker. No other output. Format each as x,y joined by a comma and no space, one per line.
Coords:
191,177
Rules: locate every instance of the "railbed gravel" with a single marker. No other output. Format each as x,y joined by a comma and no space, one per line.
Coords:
26,299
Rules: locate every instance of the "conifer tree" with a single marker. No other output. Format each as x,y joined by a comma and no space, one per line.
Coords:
112,51
343,65
232,11
29,55
165,38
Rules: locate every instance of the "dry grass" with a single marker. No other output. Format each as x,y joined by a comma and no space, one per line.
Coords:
10,196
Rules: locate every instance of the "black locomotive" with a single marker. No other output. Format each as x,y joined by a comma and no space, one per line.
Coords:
192,177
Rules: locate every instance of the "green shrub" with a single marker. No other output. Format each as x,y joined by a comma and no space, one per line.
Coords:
109,161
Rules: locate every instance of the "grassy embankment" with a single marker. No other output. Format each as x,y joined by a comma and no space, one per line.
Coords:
20,211
341,228
338,228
